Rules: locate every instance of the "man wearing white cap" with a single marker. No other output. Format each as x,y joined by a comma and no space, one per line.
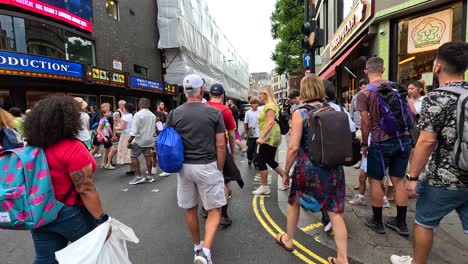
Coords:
202,130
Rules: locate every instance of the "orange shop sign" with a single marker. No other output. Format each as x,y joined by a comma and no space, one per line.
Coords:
359,15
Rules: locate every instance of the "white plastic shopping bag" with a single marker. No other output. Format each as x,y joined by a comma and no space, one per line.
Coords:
94,249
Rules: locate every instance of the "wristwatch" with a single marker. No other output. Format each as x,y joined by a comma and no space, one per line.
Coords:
102,219
410,178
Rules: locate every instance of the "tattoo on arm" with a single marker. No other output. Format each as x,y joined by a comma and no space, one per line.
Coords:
83,179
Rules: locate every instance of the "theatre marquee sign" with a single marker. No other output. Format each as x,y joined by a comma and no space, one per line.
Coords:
359,15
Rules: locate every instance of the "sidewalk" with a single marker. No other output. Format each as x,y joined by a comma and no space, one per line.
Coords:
450,243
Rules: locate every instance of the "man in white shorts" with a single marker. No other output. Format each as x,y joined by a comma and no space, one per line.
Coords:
202,130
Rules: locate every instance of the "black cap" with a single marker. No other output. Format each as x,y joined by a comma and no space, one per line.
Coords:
217,89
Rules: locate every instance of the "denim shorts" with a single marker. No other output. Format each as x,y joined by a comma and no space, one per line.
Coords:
138,150
389,155
434,203
72,223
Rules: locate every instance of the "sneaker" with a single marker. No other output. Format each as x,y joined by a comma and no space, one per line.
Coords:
225,221
401,229
328,228
164,174
149,179
262,190
401,259
386,203
109,167
377,227
201,258
97,155
137,180
283,188
154,170
204,213
130,172
358,200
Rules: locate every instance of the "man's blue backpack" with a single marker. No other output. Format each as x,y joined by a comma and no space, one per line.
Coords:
170,150
27,199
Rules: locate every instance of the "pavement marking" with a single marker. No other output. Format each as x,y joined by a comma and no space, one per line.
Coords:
124,190
311,227
295,242
155,190
272,233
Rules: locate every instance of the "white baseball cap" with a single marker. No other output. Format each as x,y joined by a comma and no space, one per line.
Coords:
193,81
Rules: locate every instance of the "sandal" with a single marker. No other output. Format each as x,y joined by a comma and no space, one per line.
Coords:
279,239
332,260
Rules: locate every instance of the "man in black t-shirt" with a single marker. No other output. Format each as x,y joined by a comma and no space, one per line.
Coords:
235,111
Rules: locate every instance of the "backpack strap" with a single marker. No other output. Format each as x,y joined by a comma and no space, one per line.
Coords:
372,88
67,195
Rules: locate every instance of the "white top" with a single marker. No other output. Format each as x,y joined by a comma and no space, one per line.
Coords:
129,119
417,104
144,127
251,118
83,134
352,126
159,126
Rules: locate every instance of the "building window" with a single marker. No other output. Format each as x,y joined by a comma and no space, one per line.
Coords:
112,7
140,70
7,38
416,56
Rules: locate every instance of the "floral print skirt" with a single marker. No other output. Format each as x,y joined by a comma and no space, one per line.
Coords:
327,186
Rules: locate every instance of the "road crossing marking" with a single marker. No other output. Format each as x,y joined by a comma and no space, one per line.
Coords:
311,227
279,230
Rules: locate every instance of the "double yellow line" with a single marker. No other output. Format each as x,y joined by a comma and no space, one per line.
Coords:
303,253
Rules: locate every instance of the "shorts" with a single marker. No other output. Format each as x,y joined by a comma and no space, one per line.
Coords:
107,144
388,155
204,180
434,203
266,155
136,151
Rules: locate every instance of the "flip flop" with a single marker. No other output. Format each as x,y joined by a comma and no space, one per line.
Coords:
331,260
279,239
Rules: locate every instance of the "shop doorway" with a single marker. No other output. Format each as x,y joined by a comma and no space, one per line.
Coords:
90,99
108,99
32,97
5,99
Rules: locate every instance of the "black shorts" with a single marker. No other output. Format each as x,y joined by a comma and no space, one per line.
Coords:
107,144
266,155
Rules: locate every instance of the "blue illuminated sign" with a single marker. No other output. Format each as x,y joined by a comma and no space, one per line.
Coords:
141,83
29,63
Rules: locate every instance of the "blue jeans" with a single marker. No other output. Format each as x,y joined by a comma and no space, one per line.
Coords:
388,155
71,224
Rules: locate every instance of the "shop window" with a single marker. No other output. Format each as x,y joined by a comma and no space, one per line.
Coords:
5,99
140,70
32,97
79,49
108,99
112,7
44,40
90,99
415,62
7,39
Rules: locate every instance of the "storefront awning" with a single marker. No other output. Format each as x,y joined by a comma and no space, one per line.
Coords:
331,70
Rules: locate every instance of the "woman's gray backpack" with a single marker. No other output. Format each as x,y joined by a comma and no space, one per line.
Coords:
460,151
329,138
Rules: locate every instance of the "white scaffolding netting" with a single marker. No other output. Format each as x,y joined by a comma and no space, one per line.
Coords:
195,44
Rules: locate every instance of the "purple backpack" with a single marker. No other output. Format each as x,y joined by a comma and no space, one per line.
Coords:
395,115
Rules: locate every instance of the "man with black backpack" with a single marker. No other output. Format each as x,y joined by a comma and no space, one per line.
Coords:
443,138
385,113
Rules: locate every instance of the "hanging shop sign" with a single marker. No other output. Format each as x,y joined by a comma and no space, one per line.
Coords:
117,65
75,13
170,89
430,32
12,63
144,84
359,15
108,77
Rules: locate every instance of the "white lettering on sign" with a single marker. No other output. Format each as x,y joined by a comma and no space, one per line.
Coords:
34,64
39,7
25,2
5,217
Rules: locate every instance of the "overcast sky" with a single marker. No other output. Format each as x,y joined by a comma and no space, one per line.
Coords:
246,23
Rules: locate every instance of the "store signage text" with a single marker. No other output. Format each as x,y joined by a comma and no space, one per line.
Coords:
51,11
361,12
136,82
430,32
170,89
30,63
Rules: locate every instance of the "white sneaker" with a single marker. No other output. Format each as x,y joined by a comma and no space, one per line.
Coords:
164,174
262,190
154,171
386,203
283,188
358,200
401,259
328,227
109,167
137,180
149,179
97,155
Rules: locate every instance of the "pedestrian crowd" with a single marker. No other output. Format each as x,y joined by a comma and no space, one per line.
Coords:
394,125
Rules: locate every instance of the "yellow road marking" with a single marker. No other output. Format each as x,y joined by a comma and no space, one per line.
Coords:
295,242
311,227
272,233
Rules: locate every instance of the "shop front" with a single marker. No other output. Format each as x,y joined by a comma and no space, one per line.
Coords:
153,90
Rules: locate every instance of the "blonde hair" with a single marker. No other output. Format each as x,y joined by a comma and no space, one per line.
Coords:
312,89
269,93
6,119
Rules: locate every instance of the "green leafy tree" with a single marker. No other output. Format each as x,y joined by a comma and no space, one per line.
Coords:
286,22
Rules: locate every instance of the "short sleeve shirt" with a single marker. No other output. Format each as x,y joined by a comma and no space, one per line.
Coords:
273,138
105,126
129,123
251,119
367,101
228,117
197,124
63,158
439,115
